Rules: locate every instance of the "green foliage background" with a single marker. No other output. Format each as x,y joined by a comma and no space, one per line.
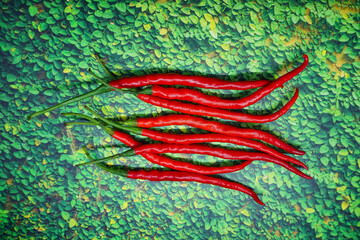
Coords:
47,47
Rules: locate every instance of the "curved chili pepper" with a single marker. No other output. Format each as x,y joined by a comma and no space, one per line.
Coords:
189,108
192,81
177,165
200,149
193,138
195,96
205,82
176,176
212,126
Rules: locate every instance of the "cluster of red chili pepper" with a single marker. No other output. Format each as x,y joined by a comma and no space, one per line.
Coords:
151,89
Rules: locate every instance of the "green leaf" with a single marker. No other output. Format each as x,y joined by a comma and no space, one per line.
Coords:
344,38
324,149
31,34
332,142
72,223
11,78
104,4
97,34
324,161
343,152
32,10
83,64
61,171
152,8
108,14
16,59
194,19
121,7
67,9
65,215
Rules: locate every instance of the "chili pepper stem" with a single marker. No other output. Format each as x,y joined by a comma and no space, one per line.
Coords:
80,123
99,90
111,87
111,74
134,130
92,120
105,166
128,153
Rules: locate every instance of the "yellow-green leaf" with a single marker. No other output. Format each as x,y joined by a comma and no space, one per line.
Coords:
344,205
157,53
163,31
67,70
212,24
72,223
225,46
124,205
310,210
208,17
245,212
147,27
308,19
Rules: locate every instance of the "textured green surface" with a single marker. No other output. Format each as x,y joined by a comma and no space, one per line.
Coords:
46,48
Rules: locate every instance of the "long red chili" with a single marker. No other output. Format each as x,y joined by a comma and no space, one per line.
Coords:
195,96
200,149
212,126
216,137
189,108
177,176
204,82
192,138
177,165
185,80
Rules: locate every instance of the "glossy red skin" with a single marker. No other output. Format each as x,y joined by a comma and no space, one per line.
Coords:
178,165
159,148
216,137
155,175
213,126
195,109
195,96
185,80
196,173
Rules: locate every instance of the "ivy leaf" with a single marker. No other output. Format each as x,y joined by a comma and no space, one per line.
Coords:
31,34
33,10
310,210
65,215
72,223
344,38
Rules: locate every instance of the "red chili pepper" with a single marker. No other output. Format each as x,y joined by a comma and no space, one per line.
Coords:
212,126
177,165
178,79
189,108
200,149
192,138
215,137
176,176
195,96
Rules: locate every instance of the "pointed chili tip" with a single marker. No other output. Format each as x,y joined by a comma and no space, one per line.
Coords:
257,199
28,118
307,177
306,58
299,152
